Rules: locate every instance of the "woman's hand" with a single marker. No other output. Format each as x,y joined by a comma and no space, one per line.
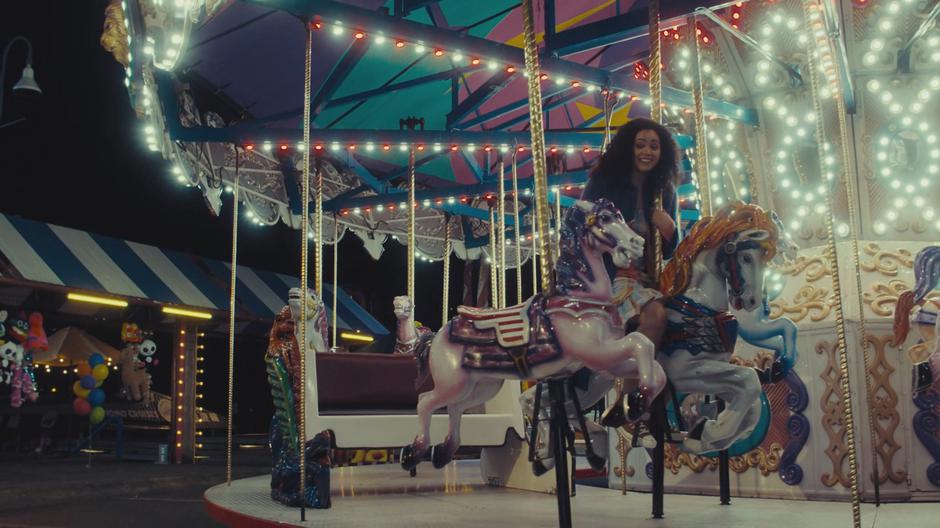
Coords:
664,224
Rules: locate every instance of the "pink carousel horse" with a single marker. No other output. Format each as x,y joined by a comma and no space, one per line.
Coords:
543,338
926,278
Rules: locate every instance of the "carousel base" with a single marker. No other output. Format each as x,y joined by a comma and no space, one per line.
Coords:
385,496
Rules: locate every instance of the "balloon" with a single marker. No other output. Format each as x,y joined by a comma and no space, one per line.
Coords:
100,372
88,382
96,397
95,359
81,406
97,415
84,369
80,391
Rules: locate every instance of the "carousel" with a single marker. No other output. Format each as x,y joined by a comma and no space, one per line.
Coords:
798,359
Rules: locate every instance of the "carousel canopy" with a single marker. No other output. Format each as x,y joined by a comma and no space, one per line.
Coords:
36,252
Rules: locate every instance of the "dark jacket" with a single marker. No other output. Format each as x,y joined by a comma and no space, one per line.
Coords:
623,195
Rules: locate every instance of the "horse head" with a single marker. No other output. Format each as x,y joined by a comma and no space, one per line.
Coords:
741,262
311,306
404,307
607,231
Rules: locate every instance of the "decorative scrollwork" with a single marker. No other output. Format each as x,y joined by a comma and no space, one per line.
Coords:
884,410
832,419
766,461
884,297
816,267
886,262
927,427
808,299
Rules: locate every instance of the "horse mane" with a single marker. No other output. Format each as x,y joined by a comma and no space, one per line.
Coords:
571,258
926,278
709,233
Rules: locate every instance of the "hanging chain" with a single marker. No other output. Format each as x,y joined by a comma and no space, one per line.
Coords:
833,257
538,145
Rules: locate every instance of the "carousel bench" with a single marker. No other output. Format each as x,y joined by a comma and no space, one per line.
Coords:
350,382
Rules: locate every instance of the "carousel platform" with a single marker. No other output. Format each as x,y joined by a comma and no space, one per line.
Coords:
385,496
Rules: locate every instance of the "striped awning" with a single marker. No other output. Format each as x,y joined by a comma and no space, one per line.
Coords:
62,256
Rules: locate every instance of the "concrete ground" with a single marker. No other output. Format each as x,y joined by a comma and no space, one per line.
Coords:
58,492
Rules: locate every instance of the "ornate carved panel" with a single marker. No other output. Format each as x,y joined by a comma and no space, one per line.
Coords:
885,262
884,410
808,301
832,423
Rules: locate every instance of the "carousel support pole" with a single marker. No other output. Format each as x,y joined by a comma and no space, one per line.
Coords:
724,481
557,221
832,256
501,235
231,325
538,146
518,229
701,141
494,262
559,439
184,393
658,426
445,294
304,253
335,275
412,246
855,226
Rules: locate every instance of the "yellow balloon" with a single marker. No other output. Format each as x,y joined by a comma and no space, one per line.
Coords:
100,372
96,415
80,391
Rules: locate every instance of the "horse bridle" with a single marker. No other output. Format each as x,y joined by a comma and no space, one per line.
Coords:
728,264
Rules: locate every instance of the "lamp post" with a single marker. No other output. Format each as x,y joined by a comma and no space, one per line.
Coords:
27,84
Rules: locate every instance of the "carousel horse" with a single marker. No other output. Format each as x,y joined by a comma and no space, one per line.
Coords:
283,359
926,278
756,328
542,338
408,331
720,265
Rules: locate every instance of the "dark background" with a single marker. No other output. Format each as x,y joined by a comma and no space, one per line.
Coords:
78,160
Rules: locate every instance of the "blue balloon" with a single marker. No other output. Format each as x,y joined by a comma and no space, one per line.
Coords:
88,382
96,397
95,359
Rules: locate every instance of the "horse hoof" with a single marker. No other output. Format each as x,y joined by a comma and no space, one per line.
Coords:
440,456
597,463
923,378
413,472
408,459
539,468
636,406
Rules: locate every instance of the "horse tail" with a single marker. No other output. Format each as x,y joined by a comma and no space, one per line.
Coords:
422,352
902,314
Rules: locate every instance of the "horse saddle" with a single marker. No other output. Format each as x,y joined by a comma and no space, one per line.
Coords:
702,329
512,339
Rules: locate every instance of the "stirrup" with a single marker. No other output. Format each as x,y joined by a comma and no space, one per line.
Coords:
615,415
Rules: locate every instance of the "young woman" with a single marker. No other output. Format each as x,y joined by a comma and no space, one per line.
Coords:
640,165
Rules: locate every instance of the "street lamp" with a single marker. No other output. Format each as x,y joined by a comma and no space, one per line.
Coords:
27,85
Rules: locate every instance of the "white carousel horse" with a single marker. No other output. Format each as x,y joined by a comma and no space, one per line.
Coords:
317,332
926,278
407,333
545,337
719,265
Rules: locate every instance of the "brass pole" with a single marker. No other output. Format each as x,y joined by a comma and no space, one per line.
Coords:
231,325
494,262
445,301
335,273
833,257
412,205
501,235
701,140
518,229
538,144
304,250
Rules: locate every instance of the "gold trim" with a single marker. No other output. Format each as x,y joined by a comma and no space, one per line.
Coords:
886,262
816,267
883,298
808,299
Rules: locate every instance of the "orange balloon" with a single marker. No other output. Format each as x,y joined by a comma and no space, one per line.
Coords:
84,369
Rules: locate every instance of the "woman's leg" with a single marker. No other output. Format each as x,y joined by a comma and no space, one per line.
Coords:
653,322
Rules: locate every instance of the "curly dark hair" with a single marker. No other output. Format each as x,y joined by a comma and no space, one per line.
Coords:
617,162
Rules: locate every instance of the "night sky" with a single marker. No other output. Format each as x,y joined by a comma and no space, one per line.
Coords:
78,160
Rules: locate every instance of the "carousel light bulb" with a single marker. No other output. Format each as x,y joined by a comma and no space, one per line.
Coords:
895,184
873,85
795,225
928,213
787,140
916,108
492,65
795,194
885,25
880,228
935,153
760,79
919,201
842,230
419,49
885,171
870,59
938,225
802,39
900,203
458,56
370,146
820,208
801,211
935,83
403,147
877,44
892,215
882,156
785,183
894,7
923,124
738,164
910,189
357,210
